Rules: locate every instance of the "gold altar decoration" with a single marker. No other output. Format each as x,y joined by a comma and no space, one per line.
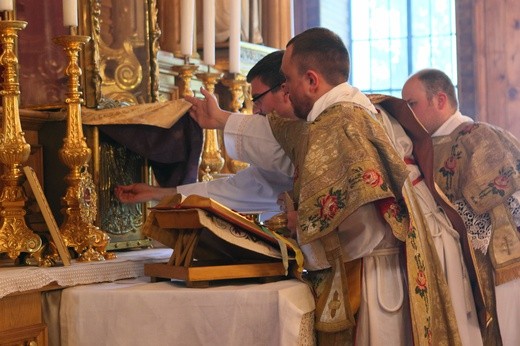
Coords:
212,160
185,73
79,202
121,69
15,235
120,62
235,82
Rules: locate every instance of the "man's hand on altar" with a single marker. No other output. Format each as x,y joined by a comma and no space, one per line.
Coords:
141,192
206,112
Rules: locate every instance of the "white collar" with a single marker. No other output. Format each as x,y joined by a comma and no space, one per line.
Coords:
341,93
451,124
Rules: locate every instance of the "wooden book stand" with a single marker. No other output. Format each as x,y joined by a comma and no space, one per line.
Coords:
210,242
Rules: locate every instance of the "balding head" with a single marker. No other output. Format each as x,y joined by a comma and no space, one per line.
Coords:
431,95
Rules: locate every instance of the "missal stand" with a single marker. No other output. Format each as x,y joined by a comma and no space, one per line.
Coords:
212,242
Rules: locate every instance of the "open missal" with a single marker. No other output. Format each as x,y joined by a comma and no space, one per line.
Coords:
213,242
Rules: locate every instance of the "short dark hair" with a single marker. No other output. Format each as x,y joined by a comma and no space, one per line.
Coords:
267,70
321,50
435,81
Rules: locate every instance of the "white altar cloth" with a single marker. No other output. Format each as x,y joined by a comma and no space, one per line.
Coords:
137,312
128,264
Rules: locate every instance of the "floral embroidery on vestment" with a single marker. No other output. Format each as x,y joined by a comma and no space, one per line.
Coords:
328,205
370,177
499,184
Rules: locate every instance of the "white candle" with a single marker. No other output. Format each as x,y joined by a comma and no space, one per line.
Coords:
70,12
209,32
234,37
187,18
6,5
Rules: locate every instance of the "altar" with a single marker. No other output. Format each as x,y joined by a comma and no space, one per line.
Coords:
113,302
137,312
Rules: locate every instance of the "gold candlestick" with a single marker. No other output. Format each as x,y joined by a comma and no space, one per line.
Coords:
79,205
235,83
212,161
209,80
15,236
185,74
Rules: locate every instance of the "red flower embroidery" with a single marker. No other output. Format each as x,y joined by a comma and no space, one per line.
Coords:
372,178
421,280
501,182
450,164
394,210
329,206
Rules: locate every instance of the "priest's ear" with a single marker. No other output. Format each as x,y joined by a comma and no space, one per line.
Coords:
313,79
285,93
442,100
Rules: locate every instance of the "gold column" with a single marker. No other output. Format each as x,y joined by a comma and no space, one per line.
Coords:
15,236
80,201
212,161
235,82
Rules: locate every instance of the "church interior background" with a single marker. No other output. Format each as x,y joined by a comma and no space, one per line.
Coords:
63,62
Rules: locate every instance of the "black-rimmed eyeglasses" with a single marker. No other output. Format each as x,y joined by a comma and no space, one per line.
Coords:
259,96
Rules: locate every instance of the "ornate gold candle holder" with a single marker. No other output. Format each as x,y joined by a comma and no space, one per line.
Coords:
79,205
212,160
15,235
185,74
235,83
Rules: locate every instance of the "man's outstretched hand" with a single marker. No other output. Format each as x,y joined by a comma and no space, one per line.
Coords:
206,112
141,192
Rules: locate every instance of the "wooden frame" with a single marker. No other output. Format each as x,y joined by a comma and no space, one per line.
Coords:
47,214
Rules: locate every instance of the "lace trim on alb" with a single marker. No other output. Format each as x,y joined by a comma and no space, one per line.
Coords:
479,226
514,206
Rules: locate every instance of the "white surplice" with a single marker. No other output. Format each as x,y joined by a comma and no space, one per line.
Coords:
253,189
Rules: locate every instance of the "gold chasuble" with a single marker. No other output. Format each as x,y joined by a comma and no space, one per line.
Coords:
485,179
344,160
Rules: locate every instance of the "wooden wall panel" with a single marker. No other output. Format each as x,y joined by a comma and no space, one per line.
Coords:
512,43
493,70
492,89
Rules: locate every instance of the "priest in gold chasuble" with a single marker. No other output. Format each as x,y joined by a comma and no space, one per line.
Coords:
366,217
349,183
477,165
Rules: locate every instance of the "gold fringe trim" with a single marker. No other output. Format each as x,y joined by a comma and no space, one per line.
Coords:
506,274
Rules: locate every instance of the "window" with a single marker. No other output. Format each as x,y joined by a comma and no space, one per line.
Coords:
390,39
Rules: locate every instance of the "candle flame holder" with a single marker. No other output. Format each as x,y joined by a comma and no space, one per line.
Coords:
79,205
15,235
185,74
235,82
212,160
